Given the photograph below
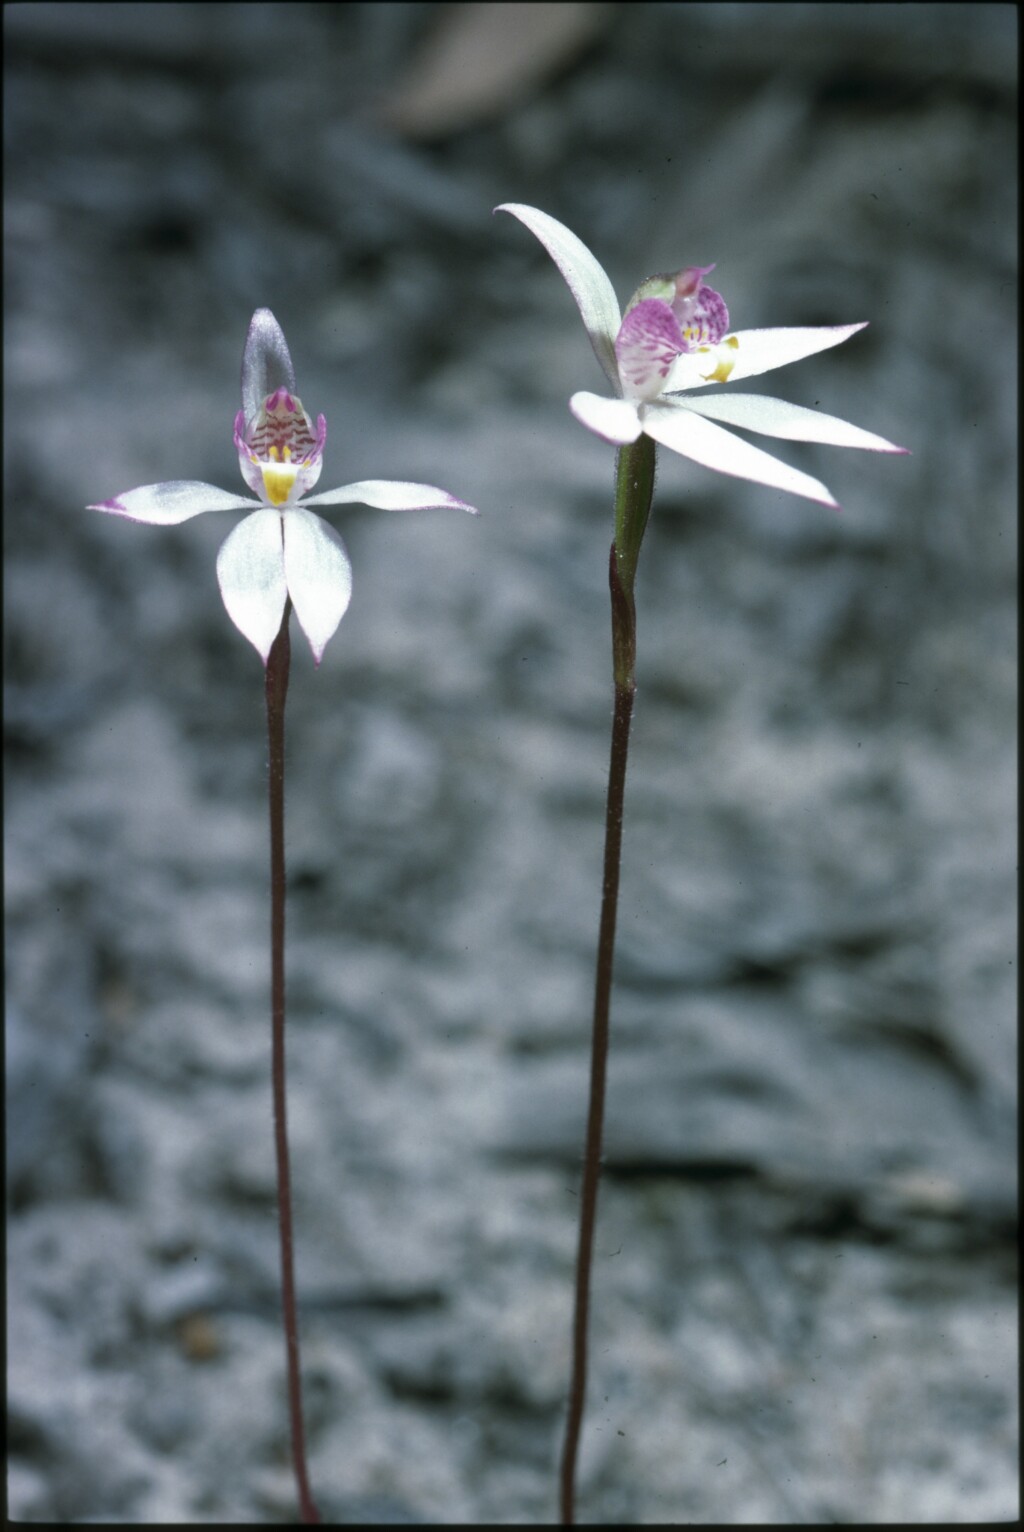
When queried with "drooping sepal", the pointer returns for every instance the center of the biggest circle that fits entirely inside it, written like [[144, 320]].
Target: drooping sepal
[[319, 576], [250, 572], [791, 422], [675, 426], [614, 420]]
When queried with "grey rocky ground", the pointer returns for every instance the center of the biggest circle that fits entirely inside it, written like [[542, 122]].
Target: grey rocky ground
[[804, 1303]]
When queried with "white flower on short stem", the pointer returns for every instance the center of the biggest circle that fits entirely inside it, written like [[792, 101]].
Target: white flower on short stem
[[675, 337], [282, 549]]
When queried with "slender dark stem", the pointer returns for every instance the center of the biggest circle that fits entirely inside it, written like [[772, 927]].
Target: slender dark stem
[[278, 664], [634, 489], [598, 1070]]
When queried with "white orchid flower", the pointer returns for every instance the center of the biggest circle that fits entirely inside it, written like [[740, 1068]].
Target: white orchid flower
[[282, 549], [675, 337]]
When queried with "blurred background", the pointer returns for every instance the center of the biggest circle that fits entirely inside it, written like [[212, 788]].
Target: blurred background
[[804, 1297]]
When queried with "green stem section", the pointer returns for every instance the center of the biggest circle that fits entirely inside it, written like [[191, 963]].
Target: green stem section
[[634, 489], [278, 664]]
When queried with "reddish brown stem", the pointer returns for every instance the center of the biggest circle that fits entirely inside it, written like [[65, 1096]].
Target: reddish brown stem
[[278, 664], [634, 489], [624, 641]]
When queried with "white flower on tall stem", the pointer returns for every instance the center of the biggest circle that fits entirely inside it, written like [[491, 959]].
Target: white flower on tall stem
[[282, 549], [675, 337]]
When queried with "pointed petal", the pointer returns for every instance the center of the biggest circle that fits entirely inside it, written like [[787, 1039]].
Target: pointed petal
[[775, 417], [266, 362], [675, 426], [617, 420], [587, 279], [250, 571], [319, 576], [165, 505], [754, 351], [391, 495]]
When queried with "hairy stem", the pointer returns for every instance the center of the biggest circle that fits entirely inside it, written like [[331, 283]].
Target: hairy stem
[[278, 664], [634, 489]]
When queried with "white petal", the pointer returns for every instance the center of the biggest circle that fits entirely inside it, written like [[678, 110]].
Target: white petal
[[319, 576], [266, 363], [164, 505], [250, 569], [758, 351], [675, 426], [391, 495], [617, 420], [588, 281], [775, 417]]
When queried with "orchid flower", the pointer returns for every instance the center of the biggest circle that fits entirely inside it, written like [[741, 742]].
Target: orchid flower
[[675, 337], [282, 549]]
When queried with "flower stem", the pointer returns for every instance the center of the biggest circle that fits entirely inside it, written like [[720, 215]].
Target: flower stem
[[278, 664], [633, 492]]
